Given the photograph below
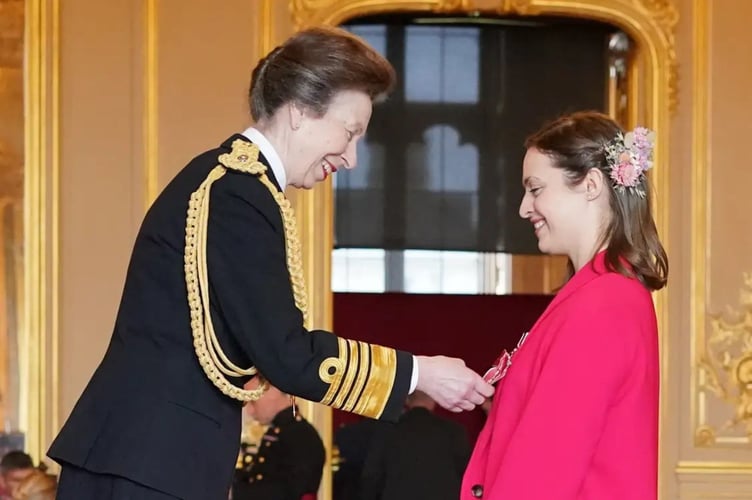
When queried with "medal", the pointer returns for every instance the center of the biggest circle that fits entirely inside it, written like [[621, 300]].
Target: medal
[[499, 369]]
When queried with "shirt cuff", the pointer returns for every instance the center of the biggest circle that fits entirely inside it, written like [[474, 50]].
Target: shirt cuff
[[414, 377]]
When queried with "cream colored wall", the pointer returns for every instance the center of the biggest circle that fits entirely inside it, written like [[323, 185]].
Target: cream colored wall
[[203, 55], [206, 51], [730, 103], [100, 182], [127, 120]]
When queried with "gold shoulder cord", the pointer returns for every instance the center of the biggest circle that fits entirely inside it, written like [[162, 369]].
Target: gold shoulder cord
[[216, 365]]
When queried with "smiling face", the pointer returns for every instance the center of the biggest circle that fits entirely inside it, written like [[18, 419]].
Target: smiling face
[[321, 145], [559, 212]]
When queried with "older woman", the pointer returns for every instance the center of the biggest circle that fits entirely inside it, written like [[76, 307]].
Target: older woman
[[215, 291]]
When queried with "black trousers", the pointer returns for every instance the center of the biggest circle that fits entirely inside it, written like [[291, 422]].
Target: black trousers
[[79, 484]]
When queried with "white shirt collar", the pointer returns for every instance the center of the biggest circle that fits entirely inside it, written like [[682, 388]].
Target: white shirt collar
[[266, 148]]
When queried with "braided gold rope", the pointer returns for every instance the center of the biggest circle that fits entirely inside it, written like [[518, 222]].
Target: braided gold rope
[[211, 357]]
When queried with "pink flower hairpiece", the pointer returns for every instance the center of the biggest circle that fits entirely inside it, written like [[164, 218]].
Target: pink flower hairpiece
[[629, 156]]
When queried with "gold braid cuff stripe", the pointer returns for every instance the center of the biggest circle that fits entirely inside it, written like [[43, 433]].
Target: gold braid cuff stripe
[[211, 357], [360, 378]]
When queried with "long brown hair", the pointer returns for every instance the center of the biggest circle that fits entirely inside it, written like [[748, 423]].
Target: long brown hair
[[576, 143], [312, 66]]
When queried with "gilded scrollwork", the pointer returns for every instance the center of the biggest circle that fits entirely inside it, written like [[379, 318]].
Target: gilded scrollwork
[[666, 15], [662, 12], [454, 6], [309, 12], [725, 374], [519, 7]]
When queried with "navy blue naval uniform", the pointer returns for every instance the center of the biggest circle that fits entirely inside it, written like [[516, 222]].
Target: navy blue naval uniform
[[150, 424]]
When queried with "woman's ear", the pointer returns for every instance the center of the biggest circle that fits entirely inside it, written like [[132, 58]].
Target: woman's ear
[[296, 114], [594, 183]]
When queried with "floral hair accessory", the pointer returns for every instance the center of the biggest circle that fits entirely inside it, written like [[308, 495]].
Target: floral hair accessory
[[629, 156]]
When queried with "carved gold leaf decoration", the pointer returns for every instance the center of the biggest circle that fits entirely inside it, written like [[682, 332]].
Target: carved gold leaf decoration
[[725, 369], [521, 7], [312, 12], [704, 436], [667, 16], [662, 13]]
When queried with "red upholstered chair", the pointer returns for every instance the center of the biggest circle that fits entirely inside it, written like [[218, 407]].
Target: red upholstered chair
[[308, 496]]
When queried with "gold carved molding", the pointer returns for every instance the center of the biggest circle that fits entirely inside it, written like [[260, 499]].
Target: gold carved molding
[[637, 17], [39, 347], [666, 16], [11, 281], [151, 104], [724, 367]]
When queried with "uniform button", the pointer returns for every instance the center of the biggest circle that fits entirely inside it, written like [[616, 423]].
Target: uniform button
[[261, 460], [259, 477], [248, 459], [477, 491], [276, 430], [268, 444]]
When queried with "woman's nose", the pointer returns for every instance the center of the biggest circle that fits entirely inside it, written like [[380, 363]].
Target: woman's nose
[[350, 157], [526, 207]]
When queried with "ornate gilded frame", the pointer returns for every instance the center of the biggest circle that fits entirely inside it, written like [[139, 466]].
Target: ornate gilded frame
[[653, 91], [38, 349], [721, 342]]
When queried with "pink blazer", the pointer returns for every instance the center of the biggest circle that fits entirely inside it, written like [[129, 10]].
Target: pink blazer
[[576, 417]]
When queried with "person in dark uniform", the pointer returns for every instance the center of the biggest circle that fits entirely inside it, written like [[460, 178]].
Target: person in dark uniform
[[289, 459], [423, 455], [352, 441], [215, 295]]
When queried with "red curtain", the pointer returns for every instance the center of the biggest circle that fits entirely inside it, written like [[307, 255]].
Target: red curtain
[[472, 327]]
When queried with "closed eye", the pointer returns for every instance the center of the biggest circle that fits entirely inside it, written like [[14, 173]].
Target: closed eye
[[535, 191], [350, 135]]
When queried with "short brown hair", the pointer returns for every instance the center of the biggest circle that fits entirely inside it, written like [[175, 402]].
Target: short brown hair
[[312, 66], [576, 143]]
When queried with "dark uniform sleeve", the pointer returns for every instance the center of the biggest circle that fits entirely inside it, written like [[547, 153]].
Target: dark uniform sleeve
[[252, 296]]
